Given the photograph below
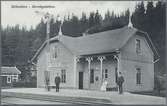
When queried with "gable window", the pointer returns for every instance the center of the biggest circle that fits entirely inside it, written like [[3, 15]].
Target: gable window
[[63, 76], [55, 52], [138, 76], [92, 76], [138, 46], [8, 79]]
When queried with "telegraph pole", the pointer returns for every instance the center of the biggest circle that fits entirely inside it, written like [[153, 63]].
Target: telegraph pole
[[47, 16]]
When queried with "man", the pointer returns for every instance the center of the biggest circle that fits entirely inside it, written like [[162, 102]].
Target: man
[[120, 83], [57, 82]]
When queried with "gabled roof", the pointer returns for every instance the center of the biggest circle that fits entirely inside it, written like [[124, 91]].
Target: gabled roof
[[10, 70], [103, 42]]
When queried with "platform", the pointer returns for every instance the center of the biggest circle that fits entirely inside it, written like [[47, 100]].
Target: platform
[[83, 96]]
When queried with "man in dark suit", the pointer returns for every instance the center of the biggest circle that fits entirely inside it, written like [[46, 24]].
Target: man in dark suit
[[57, 82], [120, 83]]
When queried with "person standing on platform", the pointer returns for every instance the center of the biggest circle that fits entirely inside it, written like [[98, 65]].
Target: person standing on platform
[[57, 82], [120, 83]]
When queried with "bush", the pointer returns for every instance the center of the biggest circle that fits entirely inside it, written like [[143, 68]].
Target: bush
[[160, 85]]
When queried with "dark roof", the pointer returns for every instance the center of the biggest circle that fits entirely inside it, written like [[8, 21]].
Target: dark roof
[[103, 42], [10, 70]]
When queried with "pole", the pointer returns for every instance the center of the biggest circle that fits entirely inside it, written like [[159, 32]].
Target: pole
[[48, 49], [47, 16], [47, 34]]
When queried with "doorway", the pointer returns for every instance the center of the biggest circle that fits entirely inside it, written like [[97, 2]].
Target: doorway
[[80, 80]]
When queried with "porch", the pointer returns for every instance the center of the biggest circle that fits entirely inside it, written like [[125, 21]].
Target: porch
[[93, 70]]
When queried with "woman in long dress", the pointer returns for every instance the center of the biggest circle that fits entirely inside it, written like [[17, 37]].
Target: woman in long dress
[[104, 85]]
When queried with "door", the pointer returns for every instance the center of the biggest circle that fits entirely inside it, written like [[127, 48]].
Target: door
[[4, 81], [80, 80]]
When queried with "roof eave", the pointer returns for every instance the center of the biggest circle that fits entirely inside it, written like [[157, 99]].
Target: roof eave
[[117, 51], [157, 54]]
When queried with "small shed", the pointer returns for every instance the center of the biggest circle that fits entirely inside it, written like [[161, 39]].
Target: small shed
[[9, 75]]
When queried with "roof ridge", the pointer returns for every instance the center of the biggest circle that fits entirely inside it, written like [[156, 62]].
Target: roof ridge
[[8, 67], [93, 34], [107, 40]]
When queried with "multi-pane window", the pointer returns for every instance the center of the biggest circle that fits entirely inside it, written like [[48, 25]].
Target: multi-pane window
[[55, 52], [138, 46], [92, 76], [138, 76], [63, 76], [102, 73], [106, 73], [8, 79]]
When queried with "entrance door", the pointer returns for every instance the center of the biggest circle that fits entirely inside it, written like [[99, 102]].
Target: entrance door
[[80, 80], [4, 80]]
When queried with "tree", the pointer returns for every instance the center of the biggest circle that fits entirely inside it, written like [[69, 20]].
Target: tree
[[138, 17], [97, 18], [153, 22], [150, 15], [83, 23], [91, 19]]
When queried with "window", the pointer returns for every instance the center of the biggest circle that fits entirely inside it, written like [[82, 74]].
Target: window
[[15, 78], [92, 76], [8, 79], [106, 73], [138, 46], [63, 76], [138, 76], [102, 74], [55, 52], [116, 74]]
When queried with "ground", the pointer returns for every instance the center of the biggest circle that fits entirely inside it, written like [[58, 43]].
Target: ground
[[13, 101], [81, 96]]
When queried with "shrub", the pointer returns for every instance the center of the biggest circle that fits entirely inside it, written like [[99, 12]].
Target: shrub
[[31, 84]]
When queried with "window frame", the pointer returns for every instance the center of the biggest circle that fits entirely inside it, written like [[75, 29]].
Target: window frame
[[9, 81], [106, 73], [63, 75], [55, 50], [15, 78], [138, 76], [92, 76], [138, 46]]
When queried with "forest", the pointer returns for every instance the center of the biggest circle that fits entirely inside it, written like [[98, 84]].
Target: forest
[[19, 44]]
